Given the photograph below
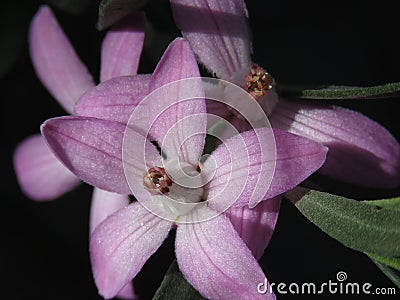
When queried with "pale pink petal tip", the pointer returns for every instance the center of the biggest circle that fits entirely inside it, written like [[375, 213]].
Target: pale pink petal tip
[[40, 174], [250, 167], [361, 151], [122, 47], [178, 62], [91, 148], [296, 159], [221, 40], [55, 61], [176, 107], [215, 260], [120, 246]]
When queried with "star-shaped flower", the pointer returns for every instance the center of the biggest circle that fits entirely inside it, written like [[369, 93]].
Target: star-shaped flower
[[172, 187]]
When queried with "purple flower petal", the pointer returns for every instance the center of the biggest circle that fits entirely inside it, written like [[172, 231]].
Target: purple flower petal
[[221, 39], [122, 47], [256, 225], [40, 174], [90, 148], [245, 159], [178, 62], [93, 148], [127, 292], [176, 112], [361, 151], [234, 169], [55, 61], [104, 204], [114, 99], [296, 159], [215, 260], [121, 245]]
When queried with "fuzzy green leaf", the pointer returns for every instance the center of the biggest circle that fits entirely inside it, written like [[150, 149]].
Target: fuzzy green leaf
[[389, 272], [393, 203], [356, 224], [393, 262], [344, 92], [174, 286], [111, 11]]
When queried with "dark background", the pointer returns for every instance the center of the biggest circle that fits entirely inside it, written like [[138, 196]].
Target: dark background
[[44, 246]]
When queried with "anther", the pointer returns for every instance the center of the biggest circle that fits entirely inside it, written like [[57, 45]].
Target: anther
[[156, 181], [258, 82]]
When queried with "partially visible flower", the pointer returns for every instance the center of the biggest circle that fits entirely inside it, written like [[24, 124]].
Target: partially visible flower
[[40, 174], [209, 251], [361, 151]]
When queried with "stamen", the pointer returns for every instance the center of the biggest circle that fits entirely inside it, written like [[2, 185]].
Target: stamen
[[258, 82], [156, 181]]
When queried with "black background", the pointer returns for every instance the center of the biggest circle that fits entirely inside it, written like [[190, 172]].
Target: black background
[[44, 246]]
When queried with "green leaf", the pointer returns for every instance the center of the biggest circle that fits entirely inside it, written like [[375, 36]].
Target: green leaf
[[393, 203], [389, 272], [344, 92], [357, 224], [111, 11], [174, 286], [71, 6], [393, 262]]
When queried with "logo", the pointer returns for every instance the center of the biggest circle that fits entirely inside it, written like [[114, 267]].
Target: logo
[[341, 287]]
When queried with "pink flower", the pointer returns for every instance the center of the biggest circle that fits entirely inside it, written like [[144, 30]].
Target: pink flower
[[361, 151], [40, 174], [119, 158]]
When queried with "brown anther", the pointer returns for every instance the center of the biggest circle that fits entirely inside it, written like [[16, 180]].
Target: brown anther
[[199, 167], [156, 181], [258, 82]]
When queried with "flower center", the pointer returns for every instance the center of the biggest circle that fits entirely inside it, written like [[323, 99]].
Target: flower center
[[258, 82], [176, 189], [156, 181]]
